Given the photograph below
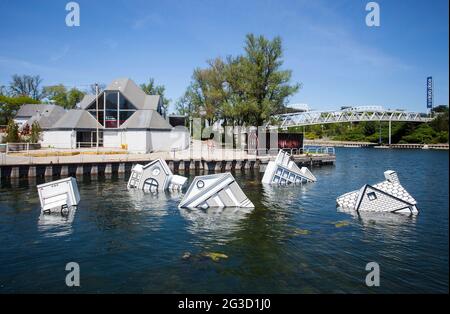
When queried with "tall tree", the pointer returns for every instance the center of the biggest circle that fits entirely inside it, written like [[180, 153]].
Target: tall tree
[[267, 85], [151, 88], [247, 89], [59, 95], [26, 85]]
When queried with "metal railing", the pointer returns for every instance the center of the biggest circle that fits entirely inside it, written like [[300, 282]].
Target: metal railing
[[345, 116]]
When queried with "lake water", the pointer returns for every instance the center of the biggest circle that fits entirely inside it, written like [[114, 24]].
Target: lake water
[[294, 241]]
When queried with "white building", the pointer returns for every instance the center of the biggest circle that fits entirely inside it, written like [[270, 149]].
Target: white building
[[44, 114], [124, 115]]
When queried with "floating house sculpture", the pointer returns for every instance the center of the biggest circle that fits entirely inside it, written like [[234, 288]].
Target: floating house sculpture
[[58, 195], [155, 176], [215, 190], [386, 196], [284, 171]]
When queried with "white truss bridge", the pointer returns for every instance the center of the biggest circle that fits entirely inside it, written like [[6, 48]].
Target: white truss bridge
[[354, 114]]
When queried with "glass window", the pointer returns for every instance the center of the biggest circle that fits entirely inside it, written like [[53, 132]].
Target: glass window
[[124, 115], [93, 105], [100, 115], [111, 100], [111, 118], [125, 104]]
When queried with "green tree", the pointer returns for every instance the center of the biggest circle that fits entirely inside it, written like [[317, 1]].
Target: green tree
[[59, 95], [267, 86], [12, 133], [36, 131], [151, 88], [10, 105], [247, 89]]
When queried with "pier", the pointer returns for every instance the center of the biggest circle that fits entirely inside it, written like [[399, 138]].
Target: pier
[[88, 164]]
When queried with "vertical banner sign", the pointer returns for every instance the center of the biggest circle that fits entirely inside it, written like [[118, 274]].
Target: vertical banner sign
[[429, 92]]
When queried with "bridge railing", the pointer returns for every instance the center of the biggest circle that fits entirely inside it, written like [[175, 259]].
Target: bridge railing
[[324, 117]]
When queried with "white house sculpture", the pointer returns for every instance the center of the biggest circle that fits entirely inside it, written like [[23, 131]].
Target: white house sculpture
[[284, 171], [155, 176], [215, 190], [386, 196], [58, 195]]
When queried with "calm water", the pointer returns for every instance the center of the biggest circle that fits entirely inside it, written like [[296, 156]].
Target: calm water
[[294, 241]]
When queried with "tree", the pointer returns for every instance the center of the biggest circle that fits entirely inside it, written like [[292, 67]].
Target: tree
[[247, 89], [74, 96], [151, 88], [26, 85], [92, 90], [267, 85], [59, 94], [12, 132], [10, 105], [36, 131]]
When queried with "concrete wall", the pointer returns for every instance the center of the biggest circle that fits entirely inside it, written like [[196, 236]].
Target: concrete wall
[[59, 139]]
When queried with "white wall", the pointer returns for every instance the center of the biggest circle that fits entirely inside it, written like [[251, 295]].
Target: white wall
[[136, 141], [59, 139], [112, 138], [175, 139]]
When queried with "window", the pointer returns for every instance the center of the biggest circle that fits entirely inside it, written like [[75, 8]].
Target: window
[[113, 109], [100, 103], [124, 115], [372, 196], [124, 104], [200, 184]]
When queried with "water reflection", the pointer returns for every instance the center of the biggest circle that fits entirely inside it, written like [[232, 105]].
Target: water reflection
[[215, 223], [390, 224], [157, 202], [56, 224], [284, 195]]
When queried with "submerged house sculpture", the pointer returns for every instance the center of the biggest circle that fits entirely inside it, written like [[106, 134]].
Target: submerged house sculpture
[[58, 195], [284, 171], [386, 196], [215, 190], [155, 176]]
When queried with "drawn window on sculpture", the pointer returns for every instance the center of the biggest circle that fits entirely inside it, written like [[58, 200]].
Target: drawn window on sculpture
[[156, 171], [200, 184], [372, 196]]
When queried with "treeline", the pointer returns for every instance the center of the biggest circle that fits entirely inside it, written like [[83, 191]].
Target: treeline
[[433, 132], [28, 89], [244, 89]]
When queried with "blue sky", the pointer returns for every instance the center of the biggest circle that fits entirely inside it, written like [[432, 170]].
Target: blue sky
[[327, 45]]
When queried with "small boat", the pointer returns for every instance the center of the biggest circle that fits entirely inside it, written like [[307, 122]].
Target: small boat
[[285, 171], [215, 190], [386, 196], [58, 195], [155, 176]]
